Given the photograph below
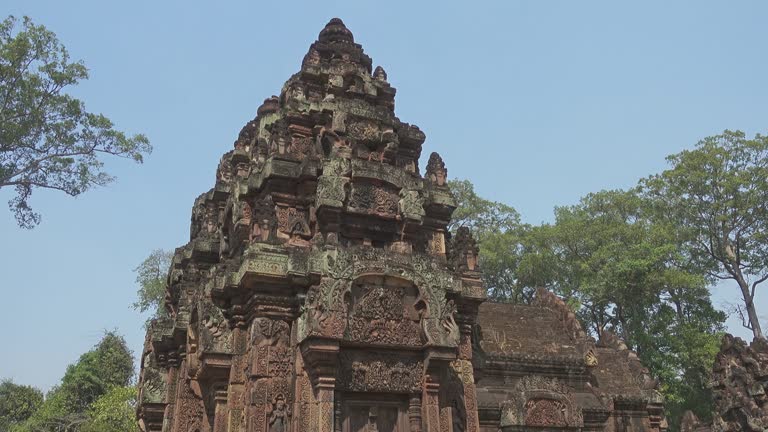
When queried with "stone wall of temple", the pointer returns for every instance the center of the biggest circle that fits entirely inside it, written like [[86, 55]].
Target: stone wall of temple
[[321, 291], [739, 380]]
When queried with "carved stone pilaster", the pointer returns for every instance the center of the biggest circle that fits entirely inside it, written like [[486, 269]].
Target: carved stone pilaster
[[414, 412], [269, 368], [325, 403], [189, 408], [320, 358], [337, 423], [430, 404], [220, 410], [237, 380], [436, 362]]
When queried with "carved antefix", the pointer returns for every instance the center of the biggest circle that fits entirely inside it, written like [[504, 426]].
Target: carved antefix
[[436, 171]]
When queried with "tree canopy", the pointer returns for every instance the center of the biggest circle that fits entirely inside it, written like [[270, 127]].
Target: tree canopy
[[716, 196], [75, 401], [623, 267], [113, 411], [150, 277], [47, 138], [17, 403]]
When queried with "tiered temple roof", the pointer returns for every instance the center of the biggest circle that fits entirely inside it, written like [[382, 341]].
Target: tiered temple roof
[[321, 290]]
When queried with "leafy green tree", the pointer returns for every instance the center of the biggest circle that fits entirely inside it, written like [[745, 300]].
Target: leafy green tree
[[716, 194], [481, 216], [150, 276], [17, 403], [499, 232], [53, 416], [622, 269], [47, 138], [107, 366], [630, 273], [114, 411]]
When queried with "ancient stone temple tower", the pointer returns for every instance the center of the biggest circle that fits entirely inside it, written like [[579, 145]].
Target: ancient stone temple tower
[[321, 291]]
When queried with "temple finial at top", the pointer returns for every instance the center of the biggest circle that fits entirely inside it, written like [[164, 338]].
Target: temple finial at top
[[336, 31]]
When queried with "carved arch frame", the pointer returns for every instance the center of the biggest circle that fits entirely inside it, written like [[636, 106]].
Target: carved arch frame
[[326, 309], [537, 388]]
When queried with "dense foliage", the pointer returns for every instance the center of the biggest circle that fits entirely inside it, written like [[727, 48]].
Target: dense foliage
[[17, 403], [113, 411], [94, 394], [716, 194], [47, 138], [639, 263], [150, 277]]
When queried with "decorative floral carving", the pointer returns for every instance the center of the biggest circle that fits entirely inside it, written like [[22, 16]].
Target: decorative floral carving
[[215, 333], [325, 303], [363, 130], [267, 331], [374, 199], [543, 401], [331, 190], [380, 317], [436, 243], [379, 372], [545, 413], [411, 204], [264, 221]]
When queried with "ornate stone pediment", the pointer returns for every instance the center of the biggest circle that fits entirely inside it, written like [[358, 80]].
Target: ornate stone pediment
[[541, 402], [406, 293]]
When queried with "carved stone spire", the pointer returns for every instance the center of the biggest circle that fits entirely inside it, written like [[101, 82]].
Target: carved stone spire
[[380, 74], [436, 171], [270, 105], [336, 31], [336, 53], [464, 250]]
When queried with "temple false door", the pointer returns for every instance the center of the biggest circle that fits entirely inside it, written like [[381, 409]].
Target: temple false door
[[374, 416]]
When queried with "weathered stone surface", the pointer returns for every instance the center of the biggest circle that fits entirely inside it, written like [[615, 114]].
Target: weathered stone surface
[[321, 291], [739, 381]]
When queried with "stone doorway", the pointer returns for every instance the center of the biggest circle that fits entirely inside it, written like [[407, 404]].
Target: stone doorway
[[374, 414]]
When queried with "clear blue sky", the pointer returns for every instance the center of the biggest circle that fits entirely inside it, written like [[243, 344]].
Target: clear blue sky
[[538, 102]]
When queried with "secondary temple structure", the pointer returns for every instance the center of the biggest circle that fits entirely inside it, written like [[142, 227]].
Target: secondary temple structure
[[321, 290]]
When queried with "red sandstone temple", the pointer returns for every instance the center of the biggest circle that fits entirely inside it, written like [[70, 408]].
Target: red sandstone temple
[[321, 290]]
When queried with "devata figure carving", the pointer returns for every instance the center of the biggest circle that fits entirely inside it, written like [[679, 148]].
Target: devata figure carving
[[321, 291]]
